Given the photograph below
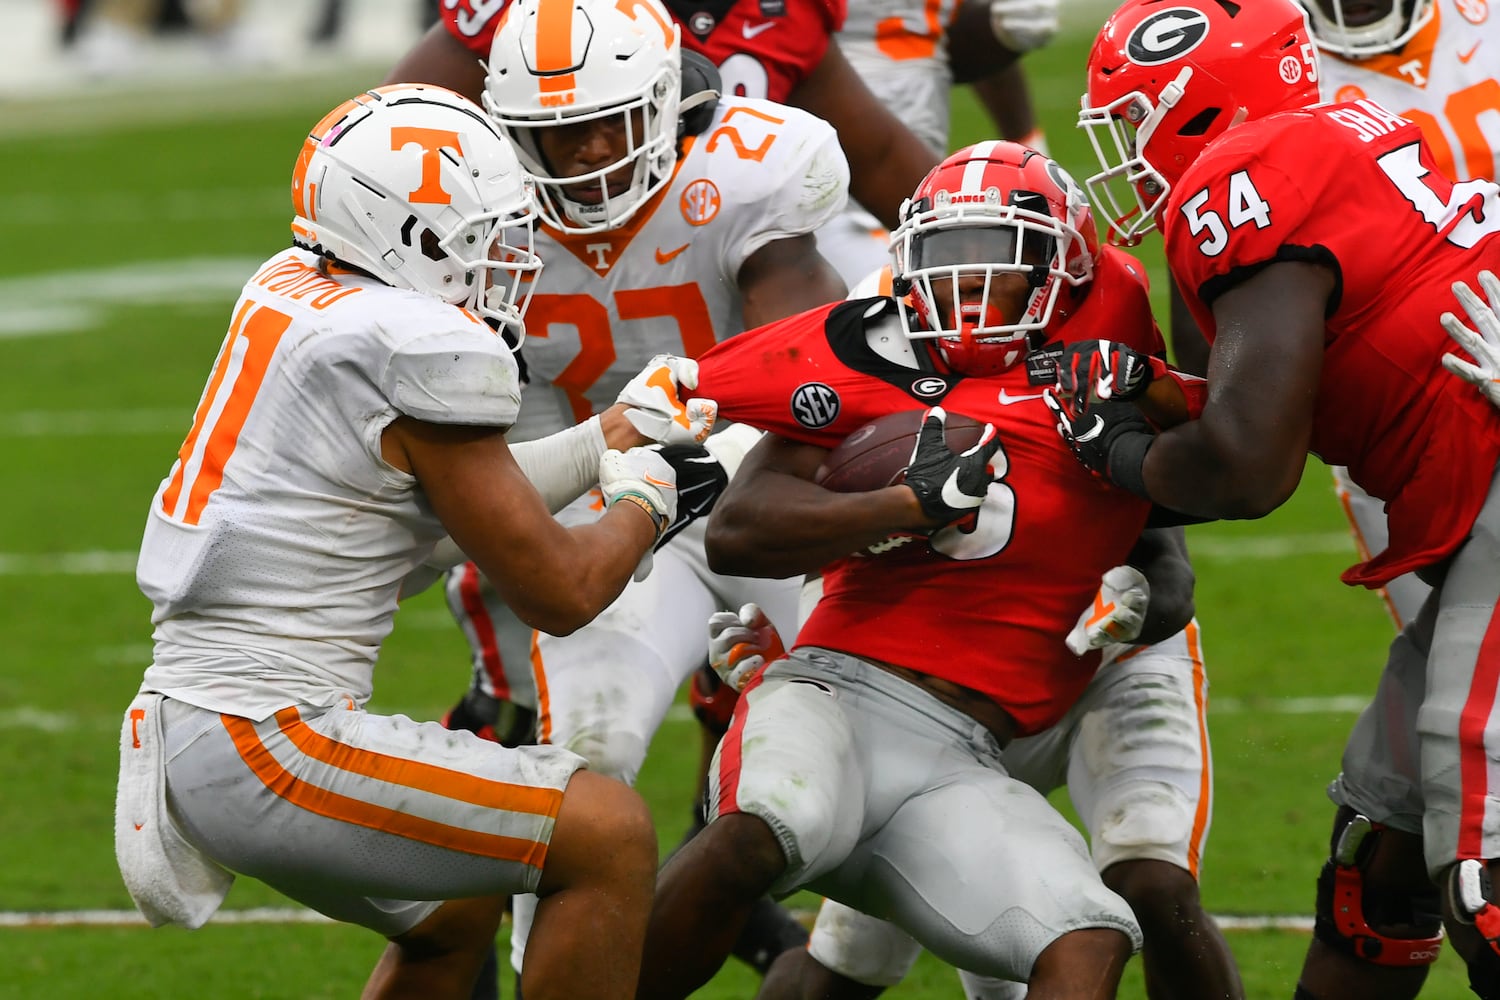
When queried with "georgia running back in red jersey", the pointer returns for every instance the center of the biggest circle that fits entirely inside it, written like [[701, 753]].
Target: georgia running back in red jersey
[[1373, 206], [986, 604], [763, 48]]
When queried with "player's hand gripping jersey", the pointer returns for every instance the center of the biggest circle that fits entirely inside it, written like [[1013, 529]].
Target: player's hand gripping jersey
[[1443, 79], [283, 456], [947, 606], [763, 49], [1373, 205], [665, 281]]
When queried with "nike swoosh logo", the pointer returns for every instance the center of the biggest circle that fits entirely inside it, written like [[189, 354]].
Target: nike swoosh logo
[[954, 497], [751, 30], [696, 505], [1006, 399], [667, 256], [648, 477], [1464, 57], [1093, 431]]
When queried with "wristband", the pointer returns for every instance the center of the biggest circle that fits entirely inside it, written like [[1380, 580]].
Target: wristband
[[1127, 462], [658, 519]]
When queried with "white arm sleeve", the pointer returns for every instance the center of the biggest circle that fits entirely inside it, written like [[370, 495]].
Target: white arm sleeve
[[564, 465], [561, 466]]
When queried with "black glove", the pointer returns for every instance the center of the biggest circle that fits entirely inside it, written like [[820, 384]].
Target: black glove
[[1110, 439], [948, 484], [700, 483], [1092, 371]]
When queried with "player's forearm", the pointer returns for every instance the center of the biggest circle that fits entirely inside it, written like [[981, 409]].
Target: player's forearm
[[787, 526], [575, 573], [1161, 554], [1202, 469], [563, 466]]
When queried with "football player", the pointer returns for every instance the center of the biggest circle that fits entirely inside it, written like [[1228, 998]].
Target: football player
[[910, 53], [1326, 340], [1426, 61], [673, 218], [866, 766], [764, 49], [355, 416]]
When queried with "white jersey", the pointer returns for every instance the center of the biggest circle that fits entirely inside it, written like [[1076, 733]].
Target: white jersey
[[668, 280], [1443, 79], [900, 49], [275, 548]]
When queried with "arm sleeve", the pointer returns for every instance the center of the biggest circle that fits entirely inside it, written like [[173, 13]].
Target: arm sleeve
[[565, 465], [562, 467]]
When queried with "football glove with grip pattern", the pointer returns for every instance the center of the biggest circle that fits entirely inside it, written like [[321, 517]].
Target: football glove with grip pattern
[[701, 479], [643, 477], [1483, 346], [1093, 371], [740, 643], [949, 484], [657, 409], [1117, 614], [1110, 439]]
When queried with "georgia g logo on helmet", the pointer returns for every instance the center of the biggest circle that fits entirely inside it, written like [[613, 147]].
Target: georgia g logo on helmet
[[1166, 35]]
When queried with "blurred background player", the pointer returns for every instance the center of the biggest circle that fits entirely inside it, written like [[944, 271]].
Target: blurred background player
[[866, 766], [910, 53], [355, 417], [1322, 343]]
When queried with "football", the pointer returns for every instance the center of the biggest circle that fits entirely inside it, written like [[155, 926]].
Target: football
[[876, 455]]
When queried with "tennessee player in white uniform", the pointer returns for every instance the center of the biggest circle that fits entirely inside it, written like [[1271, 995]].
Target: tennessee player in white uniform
[[666, 237], [1433, 63], [355, 416]]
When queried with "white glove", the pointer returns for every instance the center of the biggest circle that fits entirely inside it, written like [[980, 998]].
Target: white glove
[[657, 410], [1484, 346], [642, 477], [1023, 25], [1118, 613], [740, 644]]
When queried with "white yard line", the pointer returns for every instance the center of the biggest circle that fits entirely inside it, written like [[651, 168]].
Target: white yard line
[[278, 915]]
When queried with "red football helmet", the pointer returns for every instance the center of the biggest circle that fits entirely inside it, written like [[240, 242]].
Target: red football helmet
[[991, 209], [1168, 77]]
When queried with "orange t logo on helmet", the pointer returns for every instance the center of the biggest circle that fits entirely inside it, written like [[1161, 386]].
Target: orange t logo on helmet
[[431, 140]]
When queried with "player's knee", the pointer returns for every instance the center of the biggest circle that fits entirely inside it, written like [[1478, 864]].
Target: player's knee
[[750, 855], [458, 926], [603, 832], [1375, 901], [1142, 819], [1159, 892]]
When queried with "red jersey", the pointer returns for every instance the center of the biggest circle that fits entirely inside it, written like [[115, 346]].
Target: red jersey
[[763, 48], [1355, 187], [988, 608]]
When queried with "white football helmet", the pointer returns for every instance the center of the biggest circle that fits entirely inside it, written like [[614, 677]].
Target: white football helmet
[[1382, 33], [415, 185], [556, 63]]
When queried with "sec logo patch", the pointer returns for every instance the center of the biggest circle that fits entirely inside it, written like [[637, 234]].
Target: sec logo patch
[[700, 202], [815, 405]]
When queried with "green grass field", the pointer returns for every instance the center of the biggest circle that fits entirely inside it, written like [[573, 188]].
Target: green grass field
[[126, 227]]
